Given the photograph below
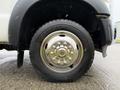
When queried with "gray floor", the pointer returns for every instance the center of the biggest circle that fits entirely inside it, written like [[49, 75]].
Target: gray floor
[[103, 75]]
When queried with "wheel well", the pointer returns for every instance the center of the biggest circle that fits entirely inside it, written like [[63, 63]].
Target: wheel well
[[41, 13]]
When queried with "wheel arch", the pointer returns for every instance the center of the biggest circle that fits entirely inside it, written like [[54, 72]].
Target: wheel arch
[[16, 19], [22, 7]]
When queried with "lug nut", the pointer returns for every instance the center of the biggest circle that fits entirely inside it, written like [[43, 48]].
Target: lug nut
[[72, 53], [62, 46], [65, 43], [57, 47], [54, 58], [58, 62], [59, 43], [53, 46], [70, 46], [70, 58], [65, 62], [51, 52]]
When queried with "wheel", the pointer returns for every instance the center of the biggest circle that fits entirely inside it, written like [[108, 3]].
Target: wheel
[[61, 51]]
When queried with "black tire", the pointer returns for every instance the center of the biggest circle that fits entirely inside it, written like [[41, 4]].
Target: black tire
[[76, 29]]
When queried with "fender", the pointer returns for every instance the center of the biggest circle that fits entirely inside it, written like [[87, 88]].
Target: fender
[[22, 6], [16, 19], [99, 6]]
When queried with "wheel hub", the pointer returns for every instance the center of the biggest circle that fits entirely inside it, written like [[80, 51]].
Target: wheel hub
[[61, 50], [62, 54]]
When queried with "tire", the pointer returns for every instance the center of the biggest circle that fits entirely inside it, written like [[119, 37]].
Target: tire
[[66, 74]]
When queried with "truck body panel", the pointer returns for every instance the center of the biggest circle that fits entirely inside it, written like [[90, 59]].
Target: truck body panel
[[6, 7]]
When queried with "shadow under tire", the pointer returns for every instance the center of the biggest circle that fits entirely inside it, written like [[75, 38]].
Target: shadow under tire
[[54, 59]]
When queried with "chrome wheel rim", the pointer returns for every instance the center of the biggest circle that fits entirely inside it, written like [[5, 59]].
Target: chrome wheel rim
[[61, 51]]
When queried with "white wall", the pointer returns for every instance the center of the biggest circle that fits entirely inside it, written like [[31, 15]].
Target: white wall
[[115, 10]]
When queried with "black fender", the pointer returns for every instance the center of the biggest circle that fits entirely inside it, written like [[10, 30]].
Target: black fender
[[16, 19], [22, 6], [99, 6]]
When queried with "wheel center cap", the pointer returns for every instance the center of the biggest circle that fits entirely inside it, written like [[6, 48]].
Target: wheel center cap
[[62, 52]]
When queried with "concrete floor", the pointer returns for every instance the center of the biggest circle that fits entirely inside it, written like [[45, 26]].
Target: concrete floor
[[103, 75]]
